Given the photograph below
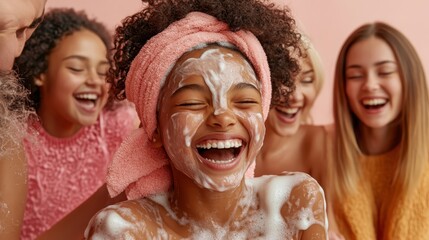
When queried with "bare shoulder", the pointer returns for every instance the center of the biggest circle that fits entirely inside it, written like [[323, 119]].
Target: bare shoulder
[[314, 132], [290, 187], [306, 208], [298, 198], [129, 219]]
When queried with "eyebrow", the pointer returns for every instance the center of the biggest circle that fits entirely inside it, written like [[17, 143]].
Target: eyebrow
[[195, 87], [244, 85], [82, 58], [308, 71], [200, 88], [376, 64]]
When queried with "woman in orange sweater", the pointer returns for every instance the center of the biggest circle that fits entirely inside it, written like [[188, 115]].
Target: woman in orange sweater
[[381, 117]]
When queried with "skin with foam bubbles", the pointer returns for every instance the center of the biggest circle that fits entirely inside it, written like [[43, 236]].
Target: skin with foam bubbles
[[262, 203], [269, 207]]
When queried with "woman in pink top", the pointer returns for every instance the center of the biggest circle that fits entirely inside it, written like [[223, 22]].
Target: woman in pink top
[[69, 145]]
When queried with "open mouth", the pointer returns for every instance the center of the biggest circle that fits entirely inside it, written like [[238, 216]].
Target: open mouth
[[87, 100], [288, 112], [220, 151], [374, 103]]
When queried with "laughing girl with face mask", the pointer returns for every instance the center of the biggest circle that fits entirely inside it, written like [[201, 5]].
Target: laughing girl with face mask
[[203, 91]]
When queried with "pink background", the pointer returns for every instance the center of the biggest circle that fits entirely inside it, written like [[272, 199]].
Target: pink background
[[326, 22]]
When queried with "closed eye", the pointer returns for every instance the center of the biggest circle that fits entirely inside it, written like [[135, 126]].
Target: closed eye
[[75, 69], [248, 101], [353, 77], [102, 74], [307, 80], [189, 104], [193, 105], [385, 73]]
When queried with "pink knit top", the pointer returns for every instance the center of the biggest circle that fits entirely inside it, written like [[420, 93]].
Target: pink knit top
[[64, 172]]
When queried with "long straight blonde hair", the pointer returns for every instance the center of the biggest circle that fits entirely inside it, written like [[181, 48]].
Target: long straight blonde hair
[[414, 119]]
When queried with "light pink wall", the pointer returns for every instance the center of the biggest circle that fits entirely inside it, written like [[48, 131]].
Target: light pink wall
[[326, 22], [110, 12]]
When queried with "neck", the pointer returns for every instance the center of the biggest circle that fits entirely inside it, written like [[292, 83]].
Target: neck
[[379, 140], [274, 141], [207, 207], [56, 127]]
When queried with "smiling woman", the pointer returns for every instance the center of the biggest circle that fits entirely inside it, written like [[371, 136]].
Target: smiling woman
[[74, 135], [203, 92], [380, 178], [217, 75]]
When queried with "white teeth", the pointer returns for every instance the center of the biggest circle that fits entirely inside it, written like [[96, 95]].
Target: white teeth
[[374, 101], [220, 161], [87, 96], [289, 110], [221, 144]]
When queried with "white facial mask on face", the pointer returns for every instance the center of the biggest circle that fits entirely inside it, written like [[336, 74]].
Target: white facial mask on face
[[220, 73]]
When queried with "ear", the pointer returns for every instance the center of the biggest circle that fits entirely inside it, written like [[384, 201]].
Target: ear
[[40, 80], [157, 139]]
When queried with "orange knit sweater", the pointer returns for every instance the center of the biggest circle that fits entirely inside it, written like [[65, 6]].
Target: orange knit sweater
[[357, 215]]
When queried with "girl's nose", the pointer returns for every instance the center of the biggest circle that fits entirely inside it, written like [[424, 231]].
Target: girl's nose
[[222, 120], [95, 79], [371, 82]]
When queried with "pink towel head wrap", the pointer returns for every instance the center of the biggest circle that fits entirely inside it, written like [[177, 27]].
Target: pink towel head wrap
[[139, 168]]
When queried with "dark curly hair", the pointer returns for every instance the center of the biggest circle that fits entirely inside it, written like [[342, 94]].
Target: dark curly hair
[[274, 28], [57, 24]]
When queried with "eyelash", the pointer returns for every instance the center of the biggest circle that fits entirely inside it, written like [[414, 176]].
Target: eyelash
[[247, 102], [189, 104], [307, 80], [385, 73], [75, 69], [382, 74]]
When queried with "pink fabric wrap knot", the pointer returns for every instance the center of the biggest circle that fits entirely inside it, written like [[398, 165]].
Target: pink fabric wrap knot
[[137, 167]]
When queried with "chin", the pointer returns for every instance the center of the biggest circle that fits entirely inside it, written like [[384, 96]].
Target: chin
[[88, 121], [220, 182]]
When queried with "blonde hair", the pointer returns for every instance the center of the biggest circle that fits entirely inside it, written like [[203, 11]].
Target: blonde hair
[[13, 114], [414, 118], [313, 56]]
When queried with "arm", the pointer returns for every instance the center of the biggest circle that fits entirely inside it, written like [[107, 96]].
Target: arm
[[73, 225], [130, 219], [318, 230], [306, 208], [13, 191]]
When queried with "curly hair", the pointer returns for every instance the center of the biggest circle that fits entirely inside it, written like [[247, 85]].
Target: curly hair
[[274, 28], [57, 24]]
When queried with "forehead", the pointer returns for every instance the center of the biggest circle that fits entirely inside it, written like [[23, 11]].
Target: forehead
[[19, 13], [83, 41], [213, 62], [203, 53], [369, 51], [305, 63]]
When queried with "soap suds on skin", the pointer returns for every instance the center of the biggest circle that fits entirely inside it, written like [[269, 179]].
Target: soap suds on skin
[[264, 198]]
